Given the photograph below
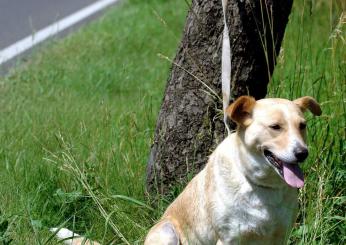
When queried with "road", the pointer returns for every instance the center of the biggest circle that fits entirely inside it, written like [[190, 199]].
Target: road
[[27, 23], [20, 18]]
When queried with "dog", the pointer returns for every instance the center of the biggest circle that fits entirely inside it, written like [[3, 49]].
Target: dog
[[247, 192]]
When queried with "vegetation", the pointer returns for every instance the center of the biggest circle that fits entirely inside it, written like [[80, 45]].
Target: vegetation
[[76, 124]]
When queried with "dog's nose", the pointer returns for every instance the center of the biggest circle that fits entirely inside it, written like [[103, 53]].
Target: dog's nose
[[301, 153]]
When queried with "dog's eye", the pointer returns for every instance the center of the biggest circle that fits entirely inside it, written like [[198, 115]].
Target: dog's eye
[[275, 126], [302, 126]]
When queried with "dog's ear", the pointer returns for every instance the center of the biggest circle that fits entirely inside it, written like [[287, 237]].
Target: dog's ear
[[310, 103], [240, 110]]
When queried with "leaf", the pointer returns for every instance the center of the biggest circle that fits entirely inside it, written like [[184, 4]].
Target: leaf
[[337, 217], [68, 196], [36, 223], [3, 227], [130, 199], [7, 242]]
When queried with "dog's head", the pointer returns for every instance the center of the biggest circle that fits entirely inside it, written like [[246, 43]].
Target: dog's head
[[274, 130]]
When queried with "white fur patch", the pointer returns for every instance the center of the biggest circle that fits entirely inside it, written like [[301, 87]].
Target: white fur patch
[[64, 233]]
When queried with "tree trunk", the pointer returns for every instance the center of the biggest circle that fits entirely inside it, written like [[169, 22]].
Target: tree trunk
[[190, 122]]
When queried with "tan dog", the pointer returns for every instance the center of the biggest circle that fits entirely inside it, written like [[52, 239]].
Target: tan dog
[[246, 194]]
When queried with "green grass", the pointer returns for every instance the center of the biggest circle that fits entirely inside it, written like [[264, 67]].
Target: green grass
[[312, 62], [76, 124]]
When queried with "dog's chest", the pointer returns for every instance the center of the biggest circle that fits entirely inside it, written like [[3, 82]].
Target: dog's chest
[[257, 215]]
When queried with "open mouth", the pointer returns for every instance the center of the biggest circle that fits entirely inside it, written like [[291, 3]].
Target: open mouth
[[290, 172], [276, 162]]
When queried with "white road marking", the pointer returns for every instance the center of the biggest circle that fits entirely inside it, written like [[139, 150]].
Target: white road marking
[[51, 30]]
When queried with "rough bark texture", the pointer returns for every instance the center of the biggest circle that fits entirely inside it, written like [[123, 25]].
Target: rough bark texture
[[190, 124]]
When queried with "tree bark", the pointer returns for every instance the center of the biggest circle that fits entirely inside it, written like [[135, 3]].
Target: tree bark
[[190, 122]]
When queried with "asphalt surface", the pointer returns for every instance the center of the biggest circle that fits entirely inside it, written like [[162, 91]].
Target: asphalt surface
[[20, 18]]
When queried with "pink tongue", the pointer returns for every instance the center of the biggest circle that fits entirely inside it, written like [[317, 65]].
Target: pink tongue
[[293, 175]]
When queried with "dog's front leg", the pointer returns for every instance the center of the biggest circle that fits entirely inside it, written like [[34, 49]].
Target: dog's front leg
[[219, 242], [163, 233]]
